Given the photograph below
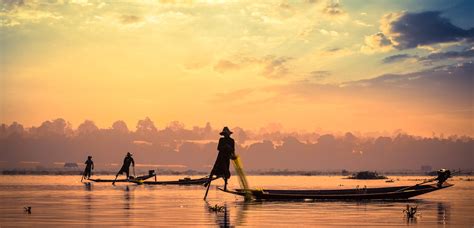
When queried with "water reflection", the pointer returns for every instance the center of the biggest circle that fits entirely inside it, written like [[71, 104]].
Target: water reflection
[[68, 202], [443, 210], [88, 202], [230, 214], [88, 186], [242, 207], [128, 205]]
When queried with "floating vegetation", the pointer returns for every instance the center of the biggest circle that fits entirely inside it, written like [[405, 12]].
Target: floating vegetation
[[410, 211], [216, 208]]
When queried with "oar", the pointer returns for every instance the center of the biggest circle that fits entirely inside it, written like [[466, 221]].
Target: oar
[[113, 183], [134, 171], [82, 178], [208, 186]]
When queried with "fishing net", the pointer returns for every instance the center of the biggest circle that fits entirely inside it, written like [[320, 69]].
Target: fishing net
[[239, 170]]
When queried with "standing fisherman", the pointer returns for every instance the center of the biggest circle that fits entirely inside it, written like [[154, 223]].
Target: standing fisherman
[[126, 166], [226, 148], [89, 167]]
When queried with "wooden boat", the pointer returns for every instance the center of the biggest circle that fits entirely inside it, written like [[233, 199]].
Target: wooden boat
[[385, 193], [151, 174], [184, 181]]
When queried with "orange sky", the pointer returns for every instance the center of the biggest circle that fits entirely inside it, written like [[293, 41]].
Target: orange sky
[[240, 63]]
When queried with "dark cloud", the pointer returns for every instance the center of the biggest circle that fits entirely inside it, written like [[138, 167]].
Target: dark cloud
[[397, 58], [459, 74], [465, 54], [413, 29], [445, 89], [130, 19], [439, 56]]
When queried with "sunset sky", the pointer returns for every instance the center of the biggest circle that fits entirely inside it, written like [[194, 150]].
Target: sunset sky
[[305, 65]]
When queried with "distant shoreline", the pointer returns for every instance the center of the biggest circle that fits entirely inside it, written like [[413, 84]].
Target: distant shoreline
[[197, 173]]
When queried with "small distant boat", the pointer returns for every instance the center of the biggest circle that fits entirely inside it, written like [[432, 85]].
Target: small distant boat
[[386, 193], [184, 181], [151, 174]]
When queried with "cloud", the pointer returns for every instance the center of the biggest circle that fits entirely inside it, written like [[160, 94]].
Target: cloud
[[377, 43], [130, 19], [225, 65], [333, 8], [445, 90], [361, 23], [330, 33], [410, 30], [440, 82], [275, 67], [271, 66], [11, 4], [397, 58], [319, 74], [433, 57], [465, 54], [17, 12]]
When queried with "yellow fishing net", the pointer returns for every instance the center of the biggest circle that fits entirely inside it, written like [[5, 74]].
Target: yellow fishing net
[[239, 169]]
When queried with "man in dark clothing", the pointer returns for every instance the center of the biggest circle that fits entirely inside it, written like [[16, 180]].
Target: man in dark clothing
[[226, 148], [89, 167], [126, 166]]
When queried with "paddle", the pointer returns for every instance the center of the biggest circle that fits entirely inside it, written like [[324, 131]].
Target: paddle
[[83, 174], [208, 186], [113, 183]]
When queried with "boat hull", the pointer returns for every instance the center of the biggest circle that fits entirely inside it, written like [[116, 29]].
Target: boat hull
[[139, 178], [391, 193], [199, 181]]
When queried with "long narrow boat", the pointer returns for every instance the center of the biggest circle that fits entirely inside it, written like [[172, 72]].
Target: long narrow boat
[[385, 193], [184, 181], [139, 178]]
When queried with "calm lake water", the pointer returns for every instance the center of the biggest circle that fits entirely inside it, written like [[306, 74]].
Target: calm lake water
[[64, 200]]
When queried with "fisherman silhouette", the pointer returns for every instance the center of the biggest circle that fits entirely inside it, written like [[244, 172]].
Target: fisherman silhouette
[[89, 167], [226, 148], [126, 166]]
